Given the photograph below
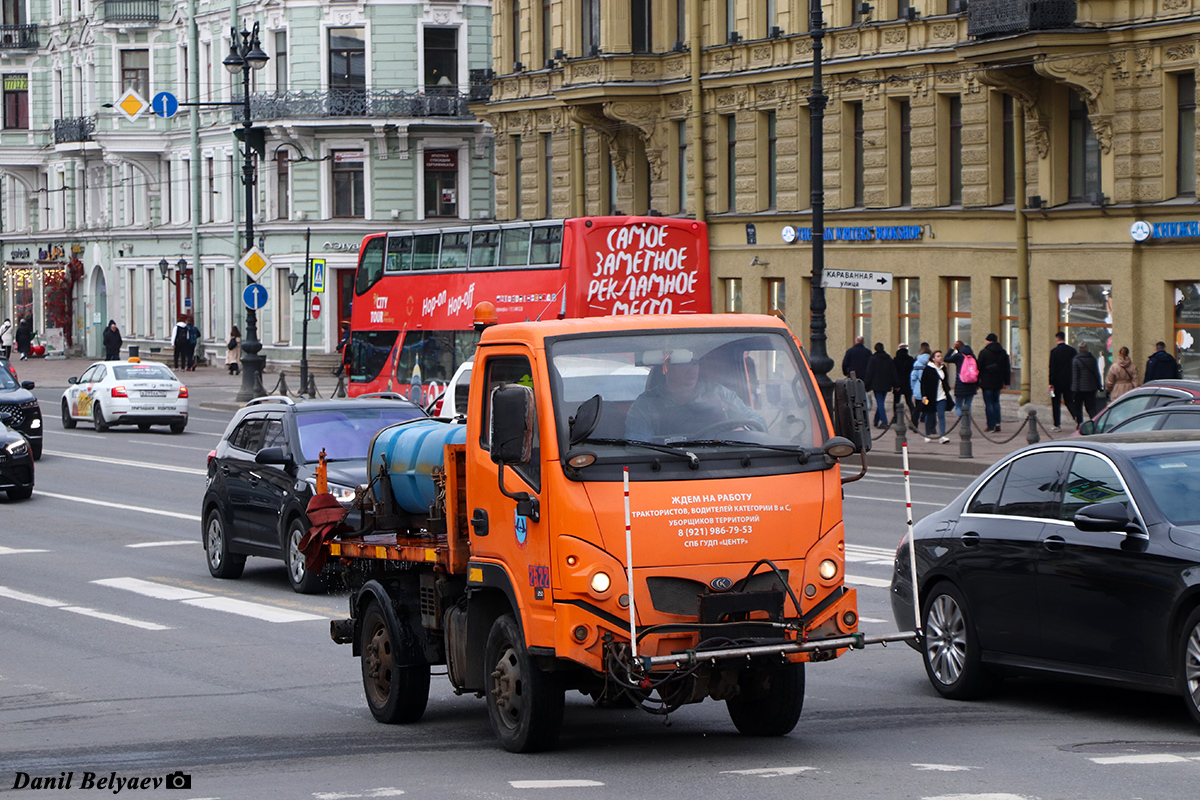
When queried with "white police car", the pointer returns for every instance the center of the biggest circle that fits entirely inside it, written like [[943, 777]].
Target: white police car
[[126, 393]]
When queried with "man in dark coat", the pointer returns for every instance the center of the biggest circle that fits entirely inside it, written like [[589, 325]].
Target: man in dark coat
[[1085, 381], [881, 379], [24, 337], [857, 359], [995, 372], [112, 342], [904, 364], [1060, 380], [1160, 366], [964, 391]]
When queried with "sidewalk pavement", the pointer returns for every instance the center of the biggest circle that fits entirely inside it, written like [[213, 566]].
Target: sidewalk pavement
[[219, 390]]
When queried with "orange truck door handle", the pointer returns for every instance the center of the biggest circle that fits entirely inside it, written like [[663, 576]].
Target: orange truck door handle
[[479, 522]]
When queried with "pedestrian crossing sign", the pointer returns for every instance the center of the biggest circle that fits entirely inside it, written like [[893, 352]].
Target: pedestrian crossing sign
[[317, 281]]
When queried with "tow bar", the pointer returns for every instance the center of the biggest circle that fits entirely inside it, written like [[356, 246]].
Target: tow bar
[[855, 641]]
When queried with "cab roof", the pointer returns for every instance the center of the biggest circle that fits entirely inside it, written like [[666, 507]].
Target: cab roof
[[538, 332]]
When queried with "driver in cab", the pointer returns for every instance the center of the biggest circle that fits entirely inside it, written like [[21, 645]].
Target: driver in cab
[[678, 405]]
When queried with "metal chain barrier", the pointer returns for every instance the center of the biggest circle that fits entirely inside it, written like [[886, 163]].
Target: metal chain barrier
[[1016, 433]]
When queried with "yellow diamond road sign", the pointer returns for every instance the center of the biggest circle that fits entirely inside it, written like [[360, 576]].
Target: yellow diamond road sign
[[255, 263], [132, 105]]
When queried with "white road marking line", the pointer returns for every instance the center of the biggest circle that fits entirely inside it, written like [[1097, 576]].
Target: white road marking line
[[865, 549], [899, 500], [872, 620], [385, 791], [121, 506], [942, 768], [248, 609], [160, 591], [767, 772], [878, 583], [560, 784], [124, 463], [12, 551], [982, 796], [136, 623], [1140, 758], [164, 544], [13, 594], [139, 440]]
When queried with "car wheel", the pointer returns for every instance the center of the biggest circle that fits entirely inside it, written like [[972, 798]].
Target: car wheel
[[20, 493], [951, 648], [67, 420], [221, 562], [143, 426], [525, 704], [98, 420], [394, 694], [769, 701], [303, 581], [1190, 664], [177, 427]]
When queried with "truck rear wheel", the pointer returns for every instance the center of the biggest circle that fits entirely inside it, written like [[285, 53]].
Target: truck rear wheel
[[525, 704], [769, 701], [395, 694]]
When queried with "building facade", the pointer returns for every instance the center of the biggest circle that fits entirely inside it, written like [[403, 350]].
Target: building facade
[[979, 153], [363, 113]]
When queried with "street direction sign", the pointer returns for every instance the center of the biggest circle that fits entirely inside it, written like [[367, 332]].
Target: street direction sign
[[317, 276], [132, 105], [255, 296], [856, 279], [165, 105], [316, 306], [255, 263]]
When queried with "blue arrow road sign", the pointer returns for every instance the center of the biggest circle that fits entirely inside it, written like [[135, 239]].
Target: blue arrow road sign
[[164, 104], [255, 296]]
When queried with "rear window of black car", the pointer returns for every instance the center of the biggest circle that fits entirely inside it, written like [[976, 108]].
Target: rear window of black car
[[1174, 483], [346, 433]]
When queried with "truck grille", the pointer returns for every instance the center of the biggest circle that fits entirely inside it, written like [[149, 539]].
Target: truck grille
[[682, 595]]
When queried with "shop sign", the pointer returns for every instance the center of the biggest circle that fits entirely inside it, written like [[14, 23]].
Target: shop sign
[[441, 160], [877, 233], [345, 247], [1140, 231], [53, 252], [18, 254]]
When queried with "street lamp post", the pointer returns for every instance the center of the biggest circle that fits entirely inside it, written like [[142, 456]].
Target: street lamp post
[[818, 357], [246, 55]]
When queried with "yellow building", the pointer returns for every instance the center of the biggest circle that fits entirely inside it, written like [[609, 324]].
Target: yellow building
[[961, 144]]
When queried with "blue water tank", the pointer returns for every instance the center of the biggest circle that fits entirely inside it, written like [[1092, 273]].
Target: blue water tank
[[412, 450]]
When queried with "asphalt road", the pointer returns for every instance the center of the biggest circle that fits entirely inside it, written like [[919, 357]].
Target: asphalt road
[[119, 654]]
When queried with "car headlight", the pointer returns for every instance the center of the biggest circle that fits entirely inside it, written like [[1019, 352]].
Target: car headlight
[[18, 448], [343, 494]]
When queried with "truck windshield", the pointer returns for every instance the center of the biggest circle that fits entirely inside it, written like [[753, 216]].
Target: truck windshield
[[712, 388]]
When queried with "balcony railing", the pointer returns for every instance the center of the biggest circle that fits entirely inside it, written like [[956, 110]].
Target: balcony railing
[[1006, 17], [18, 37], [359, 103], [481, 85], [74, 129], [130, 10]]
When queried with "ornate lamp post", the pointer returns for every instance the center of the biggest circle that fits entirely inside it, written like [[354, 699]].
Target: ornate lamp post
[[246, 55], [818, 358]]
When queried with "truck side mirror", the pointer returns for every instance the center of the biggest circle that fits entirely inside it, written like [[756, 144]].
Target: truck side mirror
[[849, 413], [512, 416], [586, 418]]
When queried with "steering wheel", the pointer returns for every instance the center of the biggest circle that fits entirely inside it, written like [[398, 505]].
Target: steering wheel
[[731, 425]]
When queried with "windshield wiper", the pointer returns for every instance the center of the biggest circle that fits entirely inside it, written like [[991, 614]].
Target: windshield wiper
[[795, 449], [692, 459]]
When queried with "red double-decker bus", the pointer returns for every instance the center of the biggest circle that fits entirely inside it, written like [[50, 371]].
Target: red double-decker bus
[[415, 291]]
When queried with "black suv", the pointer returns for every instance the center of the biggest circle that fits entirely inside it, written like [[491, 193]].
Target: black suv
[[17, 399], [263, 473]]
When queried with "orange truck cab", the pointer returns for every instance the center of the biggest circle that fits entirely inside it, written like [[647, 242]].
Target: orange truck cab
[[646, 509]]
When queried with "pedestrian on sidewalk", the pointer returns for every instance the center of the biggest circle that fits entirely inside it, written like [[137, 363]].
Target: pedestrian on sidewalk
[[914, 381], [233, 351], [112, 342], [904, 364], [24, 337], [1122, 375], [966, 376], [6, 337], [995, 372], [1060, 380], [1161, 366], [193, 338], [179, 343], [936, 396], [1085, 381], [881, 379]]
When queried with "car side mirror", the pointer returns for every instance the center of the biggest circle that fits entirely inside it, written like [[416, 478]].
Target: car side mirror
[[28, 385], [72, 380], [1103, 517], [273, 456], [512, 415], [1087, 428]]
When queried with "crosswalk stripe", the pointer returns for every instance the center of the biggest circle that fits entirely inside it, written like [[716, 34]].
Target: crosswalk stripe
[[860, 580], [48, 602], [159, 591], [12, 551], [191, 597], [569, 783], [171, 543]]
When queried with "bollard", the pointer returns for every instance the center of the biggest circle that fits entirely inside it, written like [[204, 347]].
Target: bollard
[[1033, 437], [340, 391], [283, 387], [901, 429], [964, 435], [311, 389]]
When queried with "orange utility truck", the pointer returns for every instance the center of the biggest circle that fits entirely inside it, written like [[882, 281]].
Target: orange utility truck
[[645, 509]]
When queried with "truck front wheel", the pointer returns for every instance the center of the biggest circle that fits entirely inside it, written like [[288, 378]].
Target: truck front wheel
[[525, 704], [769, 700], [395, 694]]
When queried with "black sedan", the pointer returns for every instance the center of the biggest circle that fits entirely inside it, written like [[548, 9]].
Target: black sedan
[[1071, 559], [16, 462], [18, 400]]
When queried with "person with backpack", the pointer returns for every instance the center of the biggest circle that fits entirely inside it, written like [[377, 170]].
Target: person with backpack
[[1160, 366], [881, 378], [995, 372], [193, 338], [966, 376], [179, 344]]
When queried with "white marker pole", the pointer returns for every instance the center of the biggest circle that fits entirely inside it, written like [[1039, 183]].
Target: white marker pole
[[629, 568], [912, 549]]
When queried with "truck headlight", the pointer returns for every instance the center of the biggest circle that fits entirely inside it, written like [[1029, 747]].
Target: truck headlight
[[601, 582], [827, 569]]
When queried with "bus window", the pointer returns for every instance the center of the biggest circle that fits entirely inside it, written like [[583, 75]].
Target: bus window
[[425, 251], [369, 351], [399, 254], [455, 250], [370, 265], [485, 246], [547, 245], [514, 247]]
